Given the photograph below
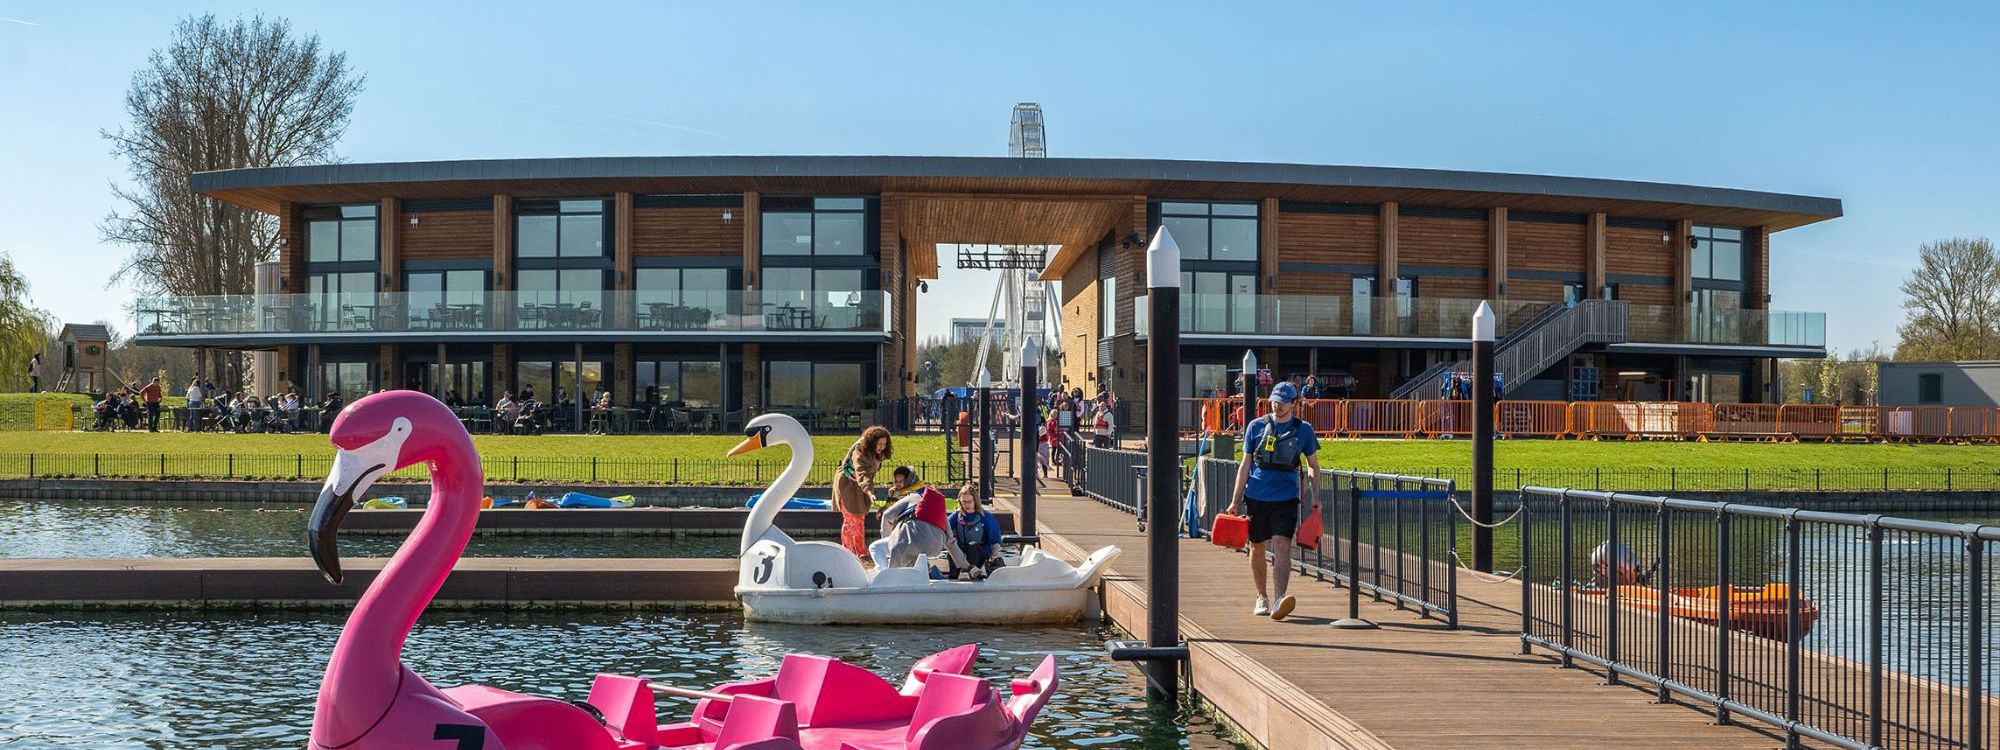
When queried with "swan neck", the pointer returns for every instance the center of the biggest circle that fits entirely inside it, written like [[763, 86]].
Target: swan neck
[[765, 514]]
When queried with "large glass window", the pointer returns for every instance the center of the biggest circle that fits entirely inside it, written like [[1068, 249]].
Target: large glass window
[[467, 380], [561, 298], [1219, 302], [340, 233], [351, 380], [825, 390], [446, 300], [692, 384], [560, 229], [1930, 388], [815, 298], [1406, 304], [1363, 289], [681, 298], [1717, 253], [790, 384], [541, 378], [825, 226], [342, 301], [1212, 231]]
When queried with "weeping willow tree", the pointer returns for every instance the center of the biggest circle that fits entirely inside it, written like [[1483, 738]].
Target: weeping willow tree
[[25, 330]]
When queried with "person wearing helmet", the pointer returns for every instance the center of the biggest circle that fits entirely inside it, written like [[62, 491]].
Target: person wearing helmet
[[1274, 448]]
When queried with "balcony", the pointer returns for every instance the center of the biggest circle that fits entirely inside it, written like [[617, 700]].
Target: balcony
[[512, 316], [1330, 316]]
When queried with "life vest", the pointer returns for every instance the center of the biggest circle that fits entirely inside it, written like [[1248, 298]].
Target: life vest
[[971, 534], [1278, 450]]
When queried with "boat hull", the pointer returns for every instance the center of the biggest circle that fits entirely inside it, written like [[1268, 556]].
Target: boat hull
[[941, 603]]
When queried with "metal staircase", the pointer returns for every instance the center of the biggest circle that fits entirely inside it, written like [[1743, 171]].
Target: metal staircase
[[1555, 332]]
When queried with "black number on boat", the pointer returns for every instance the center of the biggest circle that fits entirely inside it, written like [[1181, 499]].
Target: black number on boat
[[763, 574], [469, 736], [821, 581]]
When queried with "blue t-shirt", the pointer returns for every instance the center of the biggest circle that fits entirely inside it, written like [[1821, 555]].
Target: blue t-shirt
[[1265, 442]]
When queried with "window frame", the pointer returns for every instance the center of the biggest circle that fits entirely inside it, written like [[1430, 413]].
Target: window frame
[[866, 208], [559, 208], [1930, 388]]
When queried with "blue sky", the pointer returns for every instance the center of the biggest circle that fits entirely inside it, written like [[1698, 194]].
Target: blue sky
[[1891, 108]]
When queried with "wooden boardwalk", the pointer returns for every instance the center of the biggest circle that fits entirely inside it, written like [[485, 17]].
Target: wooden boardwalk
[[1411, 684]]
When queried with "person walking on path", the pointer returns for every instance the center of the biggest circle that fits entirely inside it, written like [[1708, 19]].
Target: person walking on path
[[194, 404], [35, 373], [151, 396], [1274, 446], [854, 487]]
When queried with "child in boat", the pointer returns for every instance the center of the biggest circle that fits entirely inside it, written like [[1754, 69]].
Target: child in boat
[[976, 534], [913, 529]]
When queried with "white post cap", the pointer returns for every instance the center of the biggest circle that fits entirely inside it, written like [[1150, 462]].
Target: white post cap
[[1483, 322], [1249, 361], [1031, 352], [1163, 261], [982, 379]]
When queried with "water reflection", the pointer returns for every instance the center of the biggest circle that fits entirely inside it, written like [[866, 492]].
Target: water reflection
[[247, 681]]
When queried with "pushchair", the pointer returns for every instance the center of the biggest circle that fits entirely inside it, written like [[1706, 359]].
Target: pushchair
[[529, 421]]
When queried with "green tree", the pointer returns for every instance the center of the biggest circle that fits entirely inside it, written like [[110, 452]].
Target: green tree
[[25, 330], [1951, 302]]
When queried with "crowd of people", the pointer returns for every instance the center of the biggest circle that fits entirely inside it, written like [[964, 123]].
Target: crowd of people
[[916, 526]]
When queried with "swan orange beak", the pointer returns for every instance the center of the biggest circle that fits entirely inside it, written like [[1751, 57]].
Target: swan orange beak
[[753, 443]]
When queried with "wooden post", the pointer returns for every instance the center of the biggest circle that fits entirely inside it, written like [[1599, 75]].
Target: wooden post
[[1593, 239], [1496, 254]]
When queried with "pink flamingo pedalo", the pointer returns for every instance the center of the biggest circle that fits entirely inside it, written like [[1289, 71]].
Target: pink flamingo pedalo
[[370, 701]]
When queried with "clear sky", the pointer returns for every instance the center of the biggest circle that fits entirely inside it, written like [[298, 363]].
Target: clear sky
[[1890, 107]]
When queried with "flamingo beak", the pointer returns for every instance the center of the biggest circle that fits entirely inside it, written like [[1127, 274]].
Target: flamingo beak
[[354, 471], [753, 443]]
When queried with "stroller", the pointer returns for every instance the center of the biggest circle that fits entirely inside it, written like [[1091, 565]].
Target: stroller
[[529, 421]]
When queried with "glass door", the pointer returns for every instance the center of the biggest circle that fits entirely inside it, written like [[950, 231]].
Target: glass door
[[1364, 305]]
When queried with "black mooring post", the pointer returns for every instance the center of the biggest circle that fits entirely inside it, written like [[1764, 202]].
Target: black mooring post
[[1482, 437], [1163, 482], [1029, 448], [985, 438], [1354, 620]]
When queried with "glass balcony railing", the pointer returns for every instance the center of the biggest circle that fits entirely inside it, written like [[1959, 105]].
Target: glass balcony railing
[[1438, 317], [497, 312]]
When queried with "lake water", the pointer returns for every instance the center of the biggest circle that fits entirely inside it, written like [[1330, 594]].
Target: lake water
[[242, 682], [49, 528]]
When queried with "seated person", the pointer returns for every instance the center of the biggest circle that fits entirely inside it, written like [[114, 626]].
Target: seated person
[[107, 412], [976, 534], [903, 482], [913, 529]]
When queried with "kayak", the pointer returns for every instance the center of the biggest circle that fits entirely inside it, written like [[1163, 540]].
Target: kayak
[[797, 503], [1758, 610], [502, 502], [391, 502], [586, 500], [536, 503]]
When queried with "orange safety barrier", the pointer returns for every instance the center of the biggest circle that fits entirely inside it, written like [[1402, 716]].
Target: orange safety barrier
[[1745, 421], [1364, 417], [1531, 418], [1440, 418], [1917, 423], [1621, 419], [1322, 413], [1809, 421], [1974, 423]]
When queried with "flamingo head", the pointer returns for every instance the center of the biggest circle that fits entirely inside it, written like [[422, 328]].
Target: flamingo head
[[375, 435], [771, 429]]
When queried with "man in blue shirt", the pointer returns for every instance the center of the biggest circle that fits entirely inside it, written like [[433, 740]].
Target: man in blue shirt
[[1274, 447]]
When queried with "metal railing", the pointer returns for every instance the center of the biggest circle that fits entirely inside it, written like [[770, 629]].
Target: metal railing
[[315, 466], [1110, 476], [504, 312], [1407, 530], [1545, 339], [1856, 631]]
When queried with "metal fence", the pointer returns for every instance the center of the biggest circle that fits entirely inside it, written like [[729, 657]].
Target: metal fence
[[1112, 477], [1672, 479], [1406, 528], [315, 466], [1856, 631]]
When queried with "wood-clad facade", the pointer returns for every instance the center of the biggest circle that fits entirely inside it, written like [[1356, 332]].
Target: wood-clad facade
[[1354, 274]]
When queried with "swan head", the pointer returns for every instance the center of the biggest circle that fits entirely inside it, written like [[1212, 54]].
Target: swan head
[[374, 436], [771, 429]]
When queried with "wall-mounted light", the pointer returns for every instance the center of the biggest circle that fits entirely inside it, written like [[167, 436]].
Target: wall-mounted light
[[1666, 238], [1693, 242], [923, 286], [1132, 240], [728, 216], [413, 221]]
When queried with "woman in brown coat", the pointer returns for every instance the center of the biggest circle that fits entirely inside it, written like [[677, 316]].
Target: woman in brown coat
[[854, 487]]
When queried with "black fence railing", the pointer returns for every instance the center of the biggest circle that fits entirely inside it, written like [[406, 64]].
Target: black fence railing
[[1671, 479], [1856, 631], [1112, 477], [315, 466]]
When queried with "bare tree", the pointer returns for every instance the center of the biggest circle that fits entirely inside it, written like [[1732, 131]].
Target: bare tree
[[219, 96], [1951, 302]]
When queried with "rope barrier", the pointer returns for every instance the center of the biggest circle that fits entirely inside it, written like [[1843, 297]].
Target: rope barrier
[[1497, 524], [1483, 576]]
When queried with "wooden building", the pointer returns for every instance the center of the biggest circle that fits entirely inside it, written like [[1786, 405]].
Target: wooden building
[[734, 283]]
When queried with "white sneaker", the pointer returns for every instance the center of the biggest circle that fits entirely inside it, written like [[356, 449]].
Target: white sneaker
[[1261, 609], [1285, 606]]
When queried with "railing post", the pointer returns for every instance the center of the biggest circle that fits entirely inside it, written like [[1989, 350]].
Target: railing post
[[1875, 639], [1662, 572], [677, 470], [1402, 581], [1564, 584], [1522, 571], [1975, 643], [1423, 551], [1794, 643], [231, 471], [593, 468], [1725, 587], [517, 468], [299, 467], [97, 465], [163, 466], [1612, 560], [31, 466]]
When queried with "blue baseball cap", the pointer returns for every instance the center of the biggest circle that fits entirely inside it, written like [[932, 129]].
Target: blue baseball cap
[[1284, 392]]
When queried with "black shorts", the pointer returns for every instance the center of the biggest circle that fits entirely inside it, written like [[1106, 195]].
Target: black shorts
[[1269, 519]]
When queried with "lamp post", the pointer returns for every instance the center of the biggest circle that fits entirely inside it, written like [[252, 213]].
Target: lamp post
[[1483, 325], [1031, 355], [985, 434], [1163, 461]]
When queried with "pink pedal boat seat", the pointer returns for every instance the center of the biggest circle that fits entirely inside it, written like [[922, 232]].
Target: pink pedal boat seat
[[820, 703]]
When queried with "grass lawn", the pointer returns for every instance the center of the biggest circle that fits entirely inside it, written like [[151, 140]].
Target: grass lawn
[[1386, 455]]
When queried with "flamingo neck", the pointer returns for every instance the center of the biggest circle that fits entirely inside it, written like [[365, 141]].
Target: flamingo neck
[[367, 660], [774, 498]]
